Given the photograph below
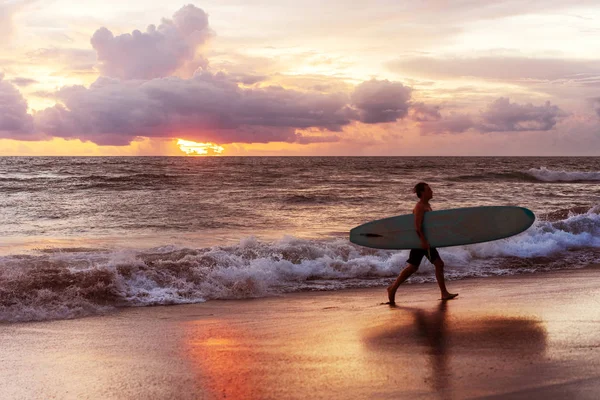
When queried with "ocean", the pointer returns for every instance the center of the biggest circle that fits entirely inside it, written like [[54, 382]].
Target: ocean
[[84, 236]]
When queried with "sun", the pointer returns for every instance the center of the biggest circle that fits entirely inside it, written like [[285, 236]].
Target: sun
[[199, 149]]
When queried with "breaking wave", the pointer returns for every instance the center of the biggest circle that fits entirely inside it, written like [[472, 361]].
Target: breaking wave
[[541, 174], [76, 282], [548, 175]]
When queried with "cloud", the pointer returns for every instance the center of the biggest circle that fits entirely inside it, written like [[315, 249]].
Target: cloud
[[23, 82], [451, 123], [6, 24], [212, 107], [504, 116], [309, 139], [596, 105], [7, 11], [248, 79], [500, 116], [207, 107], [72, 57], [14, 120], [422, 112], [381, 101], [500, 68], [156, 53]]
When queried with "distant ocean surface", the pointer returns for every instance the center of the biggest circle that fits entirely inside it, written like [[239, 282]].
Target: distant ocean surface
[[82, 236]]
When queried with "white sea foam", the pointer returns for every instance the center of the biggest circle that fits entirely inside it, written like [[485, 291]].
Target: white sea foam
[[549, 175], [56, 285]]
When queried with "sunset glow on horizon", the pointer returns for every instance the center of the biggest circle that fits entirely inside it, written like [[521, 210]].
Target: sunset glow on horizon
[[464, 78], [199, 149]]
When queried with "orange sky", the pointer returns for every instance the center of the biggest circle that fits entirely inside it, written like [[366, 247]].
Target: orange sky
[[280, 78]]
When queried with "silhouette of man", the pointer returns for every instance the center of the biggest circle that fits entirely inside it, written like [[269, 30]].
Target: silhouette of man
[[424, 193]]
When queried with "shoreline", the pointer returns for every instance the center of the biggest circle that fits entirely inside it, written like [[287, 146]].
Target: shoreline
[[520, 336]]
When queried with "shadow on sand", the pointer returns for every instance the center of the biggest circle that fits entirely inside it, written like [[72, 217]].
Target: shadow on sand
[[466, 343]]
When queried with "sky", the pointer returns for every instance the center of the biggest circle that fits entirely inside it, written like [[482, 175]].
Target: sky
[[282, 77]]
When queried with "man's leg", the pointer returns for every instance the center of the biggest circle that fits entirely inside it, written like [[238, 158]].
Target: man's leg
[[406, 272], [439, 276]]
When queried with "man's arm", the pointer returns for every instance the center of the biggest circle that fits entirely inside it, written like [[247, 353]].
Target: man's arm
[[419, 217]]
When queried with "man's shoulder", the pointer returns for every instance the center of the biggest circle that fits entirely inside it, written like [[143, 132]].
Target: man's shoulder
[[420, 207]]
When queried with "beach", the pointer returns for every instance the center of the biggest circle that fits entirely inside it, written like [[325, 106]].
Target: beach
[[211, 203], [525, 336]]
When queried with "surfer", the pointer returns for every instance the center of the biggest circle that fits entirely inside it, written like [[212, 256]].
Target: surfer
[[424, 193]]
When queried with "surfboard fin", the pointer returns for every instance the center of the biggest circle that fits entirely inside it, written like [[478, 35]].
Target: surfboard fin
[[371, 235]]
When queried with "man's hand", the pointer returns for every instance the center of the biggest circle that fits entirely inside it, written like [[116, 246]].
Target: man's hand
[[425, 244]]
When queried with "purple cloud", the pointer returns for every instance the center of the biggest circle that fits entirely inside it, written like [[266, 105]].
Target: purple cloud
[[22, 82], [381, 101], [452, 123], [308, 139], [206, 107], [14, 120], [500, 116], [248, 79], [156, 53], [596, 105], [422, 112], [503, 116], [136, 96]]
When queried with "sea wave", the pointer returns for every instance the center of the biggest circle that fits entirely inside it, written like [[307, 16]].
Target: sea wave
[[310, 199], [548, 175], [76, 282], [88, 182], [541, 174], [495, 176]]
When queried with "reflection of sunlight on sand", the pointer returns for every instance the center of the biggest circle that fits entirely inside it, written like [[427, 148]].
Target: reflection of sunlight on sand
[[223, 364], [329, 357]]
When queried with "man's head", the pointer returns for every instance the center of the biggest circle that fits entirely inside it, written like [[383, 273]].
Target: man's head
[[423, 191]]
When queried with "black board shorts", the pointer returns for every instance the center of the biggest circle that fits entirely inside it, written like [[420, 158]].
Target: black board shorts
[[416, 256]]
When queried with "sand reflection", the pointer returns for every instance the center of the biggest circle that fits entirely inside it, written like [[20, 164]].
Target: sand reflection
[[453, 347], [222, 360]]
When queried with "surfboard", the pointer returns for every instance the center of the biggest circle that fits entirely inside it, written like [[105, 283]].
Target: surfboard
[[445, 228]]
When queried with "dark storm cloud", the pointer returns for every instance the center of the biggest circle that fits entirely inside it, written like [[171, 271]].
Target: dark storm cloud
[[381, 101], [14, 120], [156, 53]]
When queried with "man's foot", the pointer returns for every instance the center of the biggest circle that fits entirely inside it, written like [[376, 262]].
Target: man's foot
[[449, 296], [391, 296]]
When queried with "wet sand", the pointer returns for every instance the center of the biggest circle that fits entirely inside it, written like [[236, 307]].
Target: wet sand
[[522, 337]]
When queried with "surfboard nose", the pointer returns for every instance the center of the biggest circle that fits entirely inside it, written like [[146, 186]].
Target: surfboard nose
[[529, 213]]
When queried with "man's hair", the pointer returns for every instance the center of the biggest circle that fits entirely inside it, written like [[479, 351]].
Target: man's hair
[[419, 188]]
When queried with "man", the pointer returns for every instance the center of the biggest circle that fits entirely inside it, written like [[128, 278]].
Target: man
[[424, 193]]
